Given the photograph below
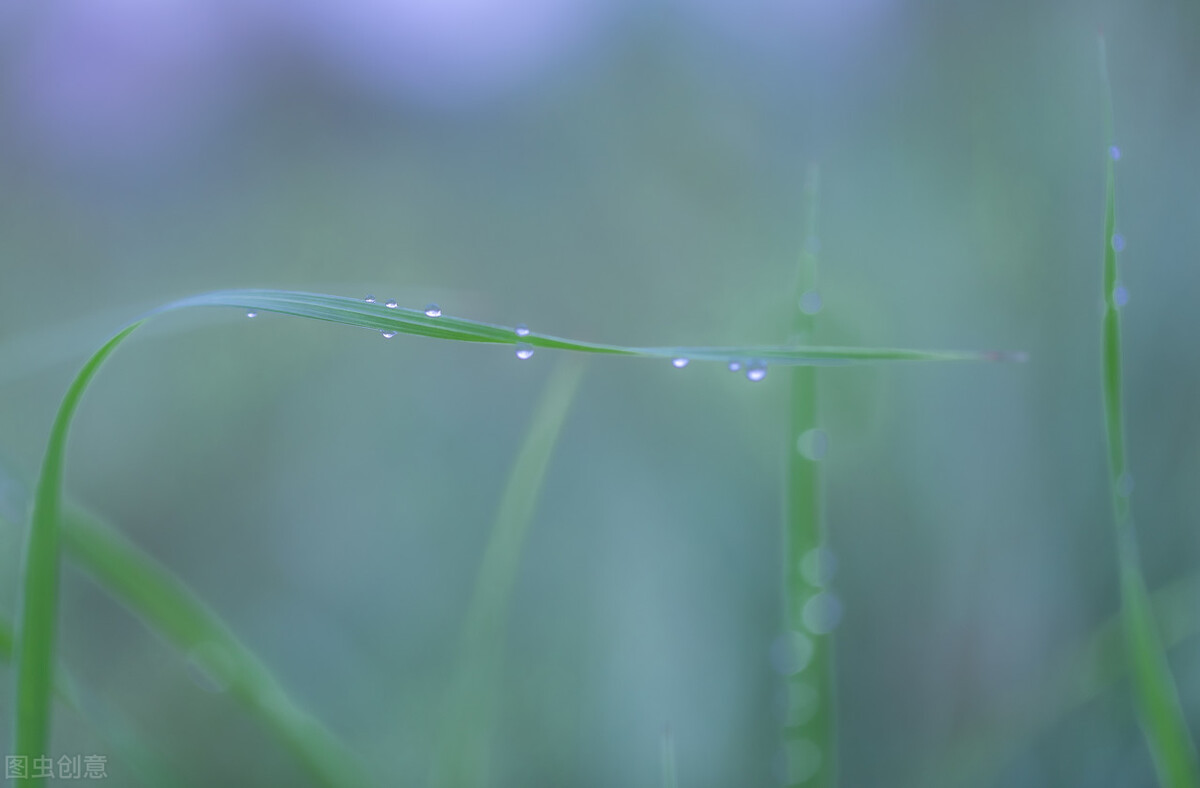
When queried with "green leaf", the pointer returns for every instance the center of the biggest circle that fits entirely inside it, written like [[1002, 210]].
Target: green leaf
[[36, 630], [354, 312], [1159, 708]]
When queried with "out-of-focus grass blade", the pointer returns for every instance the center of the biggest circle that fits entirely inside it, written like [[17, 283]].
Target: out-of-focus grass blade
[[669, 780], [1159, 708], [91, 545], [465, 733], [171, 610], [810, 747], [6, 640], [978, 753]]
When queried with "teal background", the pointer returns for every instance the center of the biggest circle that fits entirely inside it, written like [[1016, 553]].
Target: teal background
[[628, 173]]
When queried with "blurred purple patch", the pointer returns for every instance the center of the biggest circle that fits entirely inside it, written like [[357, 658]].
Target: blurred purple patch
[[1115, 152], [444, 52], [121, 78]]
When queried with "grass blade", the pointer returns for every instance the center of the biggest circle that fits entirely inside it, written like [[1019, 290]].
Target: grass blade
[[170, 609], [36, 631], [354, 312], [464, 739], [809, 735], [1159, 708]]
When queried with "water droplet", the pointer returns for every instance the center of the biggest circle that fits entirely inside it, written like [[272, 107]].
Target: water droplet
[[1120, 295], [209, 666], [756, 371], [734, 366], [1125, 485], [1118, 242], [387, 333], [810, 302], [791, 652], [391, 304], [433, 310], [679, 363], [1115, 152], [822, 613], [251, 314], [522, 330], [818, 566], [813, 444], [524, 351], [797, 703], [798, 762], [369, 299]]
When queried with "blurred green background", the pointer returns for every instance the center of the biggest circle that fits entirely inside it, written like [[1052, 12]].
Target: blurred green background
[[627, 172]]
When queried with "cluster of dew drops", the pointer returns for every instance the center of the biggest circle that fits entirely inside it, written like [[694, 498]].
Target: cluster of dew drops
[[755, 370], [524, 350]]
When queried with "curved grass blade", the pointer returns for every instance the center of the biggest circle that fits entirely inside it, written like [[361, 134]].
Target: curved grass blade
[[1159, 709], [464, 739], [36, 629], [169, 608], [353, 312], [809, 703]]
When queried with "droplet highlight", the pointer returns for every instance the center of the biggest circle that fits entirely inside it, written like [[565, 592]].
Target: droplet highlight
[[813, 444], [391, 304], [791, 652], [524, 351], [387, 333], [798, 762], [756, 371], [251, 314], [1120, 295], [433, 310], [797, 703], [822, 613], [818, 566], [1118, 242], [734, 366], [522, 330], [1115, 153], [680, 363], [369, 299], [810, 302]]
